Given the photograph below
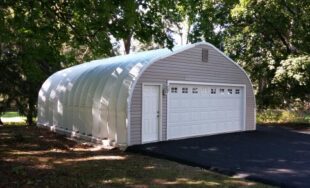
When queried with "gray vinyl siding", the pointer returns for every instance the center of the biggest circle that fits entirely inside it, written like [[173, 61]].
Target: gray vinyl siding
[[187, 66]]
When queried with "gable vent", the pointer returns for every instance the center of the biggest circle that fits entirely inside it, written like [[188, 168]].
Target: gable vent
[[205, 55]]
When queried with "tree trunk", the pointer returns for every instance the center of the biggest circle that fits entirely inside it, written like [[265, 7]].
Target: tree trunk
[[188, 29], [30, 113], [29, 119], [127, 44]]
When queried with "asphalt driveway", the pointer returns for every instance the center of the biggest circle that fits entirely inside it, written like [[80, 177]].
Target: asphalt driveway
[[277, 156]]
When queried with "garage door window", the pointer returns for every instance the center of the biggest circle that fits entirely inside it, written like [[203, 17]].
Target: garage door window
[[195, 90], [237, 91], [222, 91], [229, 91], [174, 90], [184, 90], [213, 91]]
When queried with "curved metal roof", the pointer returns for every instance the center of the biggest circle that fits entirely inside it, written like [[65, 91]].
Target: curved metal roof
[[88, 96]]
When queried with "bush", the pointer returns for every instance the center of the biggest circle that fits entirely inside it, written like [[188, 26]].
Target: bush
[[282, 116]]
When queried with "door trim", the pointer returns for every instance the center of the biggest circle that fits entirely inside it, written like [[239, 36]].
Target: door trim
[[160, 127], [169, 82]]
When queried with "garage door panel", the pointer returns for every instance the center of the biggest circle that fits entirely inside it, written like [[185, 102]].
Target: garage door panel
[[203, 110]]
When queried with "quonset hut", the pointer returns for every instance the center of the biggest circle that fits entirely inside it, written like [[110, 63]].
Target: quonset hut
[[151, 96]]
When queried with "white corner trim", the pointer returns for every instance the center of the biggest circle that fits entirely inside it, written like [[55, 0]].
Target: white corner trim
[[244, 108]]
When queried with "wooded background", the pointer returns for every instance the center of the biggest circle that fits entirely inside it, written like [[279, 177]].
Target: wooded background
[[269, 39]]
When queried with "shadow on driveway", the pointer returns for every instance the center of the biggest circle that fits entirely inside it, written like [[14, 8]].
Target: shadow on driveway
[[277, 156]]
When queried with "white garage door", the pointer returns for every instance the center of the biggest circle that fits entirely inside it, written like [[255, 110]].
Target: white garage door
[[195, 110]]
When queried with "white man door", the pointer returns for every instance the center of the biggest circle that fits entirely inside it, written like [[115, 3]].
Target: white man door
[[150, 113]]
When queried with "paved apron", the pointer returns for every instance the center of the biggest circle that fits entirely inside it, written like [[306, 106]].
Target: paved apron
[[277, 156]]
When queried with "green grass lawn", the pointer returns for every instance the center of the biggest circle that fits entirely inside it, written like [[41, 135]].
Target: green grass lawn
[[10, 114], [36, 157], [13, 118]]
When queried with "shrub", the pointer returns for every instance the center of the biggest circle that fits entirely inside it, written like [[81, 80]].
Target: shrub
[[282, 116]]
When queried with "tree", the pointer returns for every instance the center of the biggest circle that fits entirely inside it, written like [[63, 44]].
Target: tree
[[293, 75], [40, 37], [92, 24], [30, 43], [263, 34], [144, 21], [207, 19]]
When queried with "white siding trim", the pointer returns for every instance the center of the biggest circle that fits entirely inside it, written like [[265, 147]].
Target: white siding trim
[[167, 115], [244, 107], [255, 118]]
